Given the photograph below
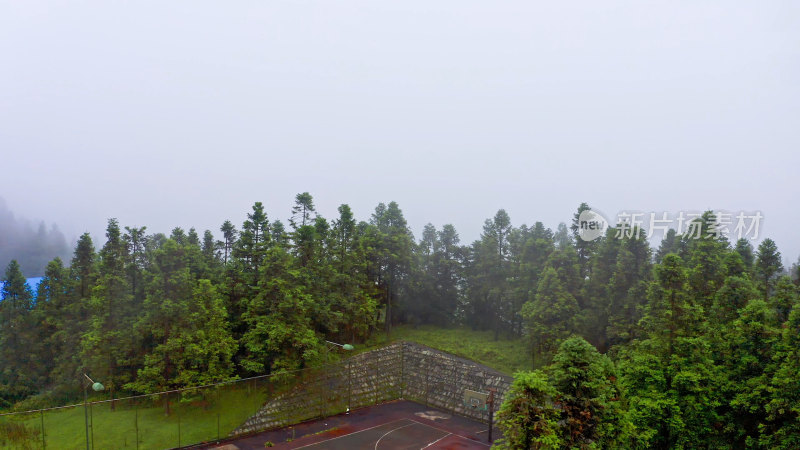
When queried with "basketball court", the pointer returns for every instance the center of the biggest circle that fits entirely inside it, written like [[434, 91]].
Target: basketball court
[[399, 424], [400, 434]]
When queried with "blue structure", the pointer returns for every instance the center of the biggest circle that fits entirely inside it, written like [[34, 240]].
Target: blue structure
[[33, 283]]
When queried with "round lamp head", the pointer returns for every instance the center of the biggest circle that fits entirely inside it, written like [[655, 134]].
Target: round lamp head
[[348, 347], [98, 386]]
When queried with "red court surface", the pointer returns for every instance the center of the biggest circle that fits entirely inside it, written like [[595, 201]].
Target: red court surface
[[395, 425]]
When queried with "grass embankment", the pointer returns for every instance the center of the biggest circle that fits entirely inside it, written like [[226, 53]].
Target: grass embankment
[[505, 355]]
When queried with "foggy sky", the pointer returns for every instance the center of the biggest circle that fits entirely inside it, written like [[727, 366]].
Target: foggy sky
[[184, 113]]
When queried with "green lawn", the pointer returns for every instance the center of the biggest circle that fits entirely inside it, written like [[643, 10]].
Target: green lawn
[[191, 421], [507, 356]]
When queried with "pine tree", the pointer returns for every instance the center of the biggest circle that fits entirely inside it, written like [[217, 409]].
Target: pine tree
[[280, 333], [109, 349], [20, 369], [229, 235], [627, 288], [587, 396], [392, 246], [749, 368], [51, 313], [670, 244], [550, 316], [185, 322], [768, 266], [669, 377], [527, 417], [302, 210], [745, 250], [784, 299], [584, 248], [782, 428]]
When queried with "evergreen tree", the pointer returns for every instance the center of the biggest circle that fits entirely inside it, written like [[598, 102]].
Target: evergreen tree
[[768, 266], [253, 242], [669, 377], [527, 417], [745, 250], [670, 244], [136, 241], [784, 299], [51, 313], [20, 368], [392, 246], [584, 248], [749, 369], [109, 349], [705, 257], [587, 396], [229, 236], [782, 428], [551, 314], [627, 288], [185, 322], [280, 332], [562, 237], [302, 210]]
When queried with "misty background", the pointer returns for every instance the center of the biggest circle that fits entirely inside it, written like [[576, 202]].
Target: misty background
[[186, 113]]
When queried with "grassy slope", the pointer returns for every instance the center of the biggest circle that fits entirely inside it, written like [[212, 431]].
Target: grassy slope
[[507, 356], [65, 428]]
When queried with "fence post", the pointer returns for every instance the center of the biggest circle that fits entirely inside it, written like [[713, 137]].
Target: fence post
[[91, 422], [178, 409], [349, 382], [452, 386], [41, 413], [427, 381], [375, 379], [218, 409], [322, 388], [136, 422], [402, 366]]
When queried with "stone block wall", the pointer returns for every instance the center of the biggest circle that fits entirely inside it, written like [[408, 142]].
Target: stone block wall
[[400, 370]]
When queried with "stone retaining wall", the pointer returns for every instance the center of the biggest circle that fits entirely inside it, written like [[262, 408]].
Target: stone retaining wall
[[399, 370]]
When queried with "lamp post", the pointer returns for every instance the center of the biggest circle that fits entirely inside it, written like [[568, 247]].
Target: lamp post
[[97, 387], [345, 347]]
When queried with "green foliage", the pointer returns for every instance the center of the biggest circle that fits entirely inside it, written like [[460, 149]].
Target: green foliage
[[768, 265], [550, 316], [527, 417], [696, 350], [782, 429], [280, 333], [575, 403], [186, 322], [587, 396]]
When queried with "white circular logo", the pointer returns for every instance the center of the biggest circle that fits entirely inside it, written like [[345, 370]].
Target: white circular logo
[[591, 225]]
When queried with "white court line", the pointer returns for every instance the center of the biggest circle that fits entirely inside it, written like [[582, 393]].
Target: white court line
[[454, 434], [346, 435], [448, 434], [390, 431]]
